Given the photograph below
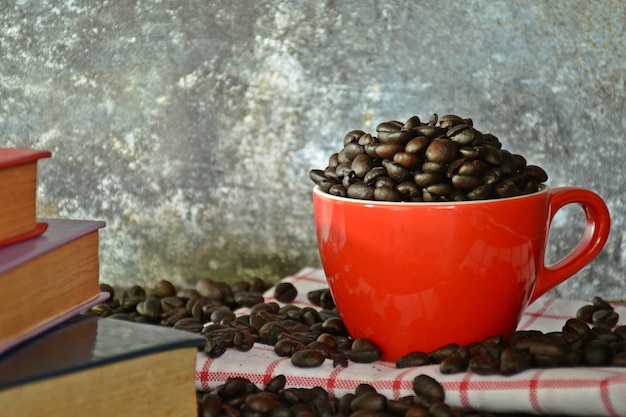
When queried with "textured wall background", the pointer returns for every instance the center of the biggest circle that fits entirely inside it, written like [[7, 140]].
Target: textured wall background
[[190, 127]]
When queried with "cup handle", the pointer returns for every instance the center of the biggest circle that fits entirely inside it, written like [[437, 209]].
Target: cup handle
[[595, 235]]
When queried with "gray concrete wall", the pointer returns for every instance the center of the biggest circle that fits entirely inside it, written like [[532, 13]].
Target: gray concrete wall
[[190, 126]]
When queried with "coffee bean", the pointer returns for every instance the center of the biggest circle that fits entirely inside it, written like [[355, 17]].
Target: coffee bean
[[361, 191], [440, 409], [484, 365], [307, 358], [369, 401], [285, 292], [605, 317], [453, 364], [428, 386], [597, 353], [210, 405], [585, 313], [413, 359], [189, 324], [513, 362]]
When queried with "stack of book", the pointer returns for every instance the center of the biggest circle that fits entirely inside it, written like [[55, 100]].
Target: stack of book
[[54, 361]]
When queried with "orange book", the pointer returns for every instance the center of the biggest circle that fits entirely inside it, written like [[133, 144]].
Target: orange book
[[18, 194], [48, 278]]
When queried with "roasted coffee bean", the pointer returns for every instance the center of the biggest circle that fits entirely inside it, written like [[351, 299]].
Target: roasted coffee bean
[[314, 296], [215, 346], [369, 401], [417, 145], [361, 165], [440, 409], [413, 359], [210, 405], [480, 193], [307, 358], [429, 131], [363, 350], [102, 310], [439, 354], [108, 289], [189, 324], [453, 364], [513, 361], [286, 347], [373, 175], [222, 313], [601, 304], [466, 182], [339, 190], [387, 150], [441, 150], [171, 303], [352, 136], [361, 191], [585, 313], [619, 359], [409, 191], [334, 326], [425, 179], [169, 318], [605, 317], [396, 172], [243, 341], [384, 182], [276, 384], [323, 347], [285, 292], [163, 288], [535, 172], [352, 149], [484, 365], [249, 298], [597, 353], [408, 160], [428, 386], [386, 194]]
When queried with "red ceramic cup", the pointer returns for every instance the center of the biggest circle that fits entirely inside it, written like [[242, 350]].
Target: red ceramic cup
[[417, 276]]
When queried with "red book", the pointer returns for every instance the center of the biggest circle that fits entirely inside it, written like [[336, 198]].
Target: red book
[[45, 279], [18, 194]]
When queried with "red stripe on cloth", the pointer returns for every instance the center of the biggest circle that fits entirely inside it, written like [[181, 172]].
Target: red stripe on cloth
[[463, 389], [269, 371], [314, 275], [534, 398], [399, 384], [535, 316], [332, 378], [606, 398], [203, 374]]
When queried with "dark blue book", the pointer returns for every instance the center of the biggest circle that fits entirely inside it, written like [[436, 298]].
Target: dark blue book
[[90, 366]]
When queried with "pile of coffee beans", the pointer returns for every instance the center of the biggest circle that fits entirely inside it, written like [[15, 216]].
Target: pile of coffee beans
[[311, 336], [307, 335], [444, 159], [240, 397]]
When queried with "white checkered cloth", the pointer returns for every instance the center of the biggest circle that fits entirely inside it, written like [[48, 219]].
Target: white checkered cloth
[[580, 391]]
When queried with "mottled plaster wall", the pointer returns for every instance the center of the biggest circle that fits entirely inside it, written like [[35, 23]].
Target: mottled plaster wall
[[190, 127]]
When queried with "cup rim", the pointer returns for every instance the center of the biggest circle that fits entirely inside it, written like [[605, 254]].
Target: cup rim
[[543, 188]]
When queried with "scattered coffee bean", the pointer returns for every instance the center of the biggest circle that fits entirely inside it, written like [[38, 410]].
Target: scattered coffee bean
[[285, 292]]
